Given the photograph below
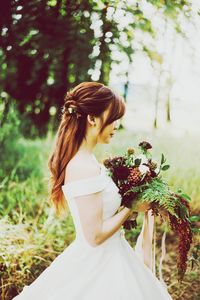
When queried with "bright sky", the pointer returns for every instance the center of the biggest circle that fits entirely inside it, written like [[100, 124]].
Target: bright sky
[[181, 64]]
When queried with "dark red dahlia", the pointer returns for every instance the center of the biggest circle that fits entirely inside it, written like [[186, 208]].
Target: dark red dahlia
[[121, 172], [118, 160], [130, 224], [127, 198], [145, 145]]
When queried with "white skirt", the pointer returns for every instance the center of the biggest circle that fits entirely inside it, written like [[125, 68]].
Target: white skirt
[[110, 271]]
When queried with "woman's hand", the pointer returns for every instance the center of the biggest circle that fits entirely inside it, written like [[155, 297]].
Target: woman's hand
[[133, 215], [141, 206], [137, 207]]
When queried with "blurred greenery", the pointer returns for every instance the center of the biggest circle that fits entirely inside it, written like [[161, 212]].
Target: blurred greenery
[[49, 46], [31, 235], [46, 48]]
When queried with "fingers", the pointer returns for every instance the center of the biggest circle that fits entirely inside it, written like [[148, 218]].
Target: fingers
[[142, 207], [133, 216]]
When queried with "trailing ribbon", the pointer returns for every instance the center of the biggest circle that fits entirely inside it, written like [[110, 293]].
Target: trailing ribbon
[[163, 253], [143, 247]]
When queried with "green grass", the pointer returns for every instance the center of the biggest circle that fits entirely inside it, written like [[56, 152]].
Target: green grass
[[31, 236]]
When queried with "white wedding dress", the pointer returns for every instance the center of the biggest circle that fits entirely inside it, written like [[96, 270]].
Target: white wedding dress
[[109, 271]]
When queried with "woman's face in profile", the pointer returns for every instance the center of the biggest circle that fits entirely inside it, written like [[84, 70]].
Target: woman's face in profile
[[109, 130]]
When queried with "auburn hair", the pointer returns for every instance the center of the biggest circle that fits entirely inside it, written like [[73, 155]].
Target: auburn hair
[[91, 98]]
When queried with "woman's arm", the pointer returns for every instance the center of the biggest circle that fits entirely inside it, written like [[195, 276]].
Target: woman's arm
[[90, 208], [96, 231], [111, 225]]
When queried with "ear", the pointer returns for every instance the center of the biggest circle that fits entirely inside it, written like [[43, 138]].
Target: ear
[[91, 120]]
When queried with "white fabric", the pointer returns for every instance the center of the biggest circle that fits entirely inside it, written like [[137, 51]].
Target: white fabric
[[144, 243], [110, 271], [143, 247]]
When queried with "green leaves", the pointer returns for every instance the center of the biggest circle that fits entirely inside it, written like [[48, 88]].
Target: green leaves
[[163, 160], [165, 167], [157, 190], [195, 230], [137, 161], [183, 212], [183, 195], [194, 218], [186, 197]]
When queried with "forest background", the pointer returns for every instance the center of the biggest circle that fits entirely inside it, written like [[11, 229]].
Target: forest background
[[148, 51]]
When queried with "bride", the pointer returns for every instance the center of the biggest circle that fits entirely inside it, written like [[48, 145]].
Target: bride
[[99, 264]]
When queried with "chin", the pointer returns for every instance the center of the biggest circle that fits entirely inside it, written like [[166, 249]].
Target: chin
[[108, 140], [105, 140]]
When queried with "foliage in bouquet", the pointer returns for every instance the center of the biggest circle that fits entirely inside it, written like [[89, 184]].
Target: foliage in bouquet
[[139, 180]]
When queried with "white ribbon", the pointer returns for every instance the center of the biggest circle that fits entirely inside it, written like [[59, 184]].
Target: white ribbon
[[143, 247], [163, 253]]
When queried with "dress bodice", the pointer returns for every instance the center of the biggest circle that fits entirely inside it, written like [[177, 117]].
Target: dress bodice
[[100, 183]]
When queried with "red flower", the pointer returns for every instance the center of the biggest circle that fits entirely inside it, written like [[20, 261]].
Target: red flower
[[135, 176], [145, 145], [184, 232], [121, 172]]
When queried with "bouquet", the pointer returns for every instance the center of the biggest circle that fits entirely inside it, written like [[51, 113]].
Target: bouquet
[[139, 180]]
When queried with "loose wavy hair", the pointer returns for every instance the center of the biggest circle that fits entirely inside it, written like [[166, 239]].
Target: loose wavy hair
[[91, 98]]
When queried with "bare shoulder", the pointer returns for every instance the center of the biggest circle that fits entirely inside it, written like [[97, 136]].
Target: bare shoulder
[[81, 168]]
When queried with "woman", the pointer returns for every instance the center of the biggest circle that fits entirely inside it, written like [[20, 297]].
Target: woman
[[99, 264]]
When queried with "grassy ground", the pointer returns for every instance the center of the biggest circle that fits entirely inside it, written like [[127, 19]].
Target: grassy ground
[[31, 236]]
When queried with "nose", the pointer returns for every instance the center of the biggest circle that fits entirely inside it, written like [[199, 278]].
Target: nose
[[116, 127]]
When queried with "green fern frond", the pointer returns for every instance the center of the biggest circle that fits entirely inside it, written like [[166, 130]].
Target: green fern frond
[[158, 191]]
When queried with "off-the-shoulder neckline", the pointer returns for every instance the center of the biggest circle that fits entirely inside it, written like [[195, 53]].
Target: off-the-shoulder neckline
[[88, 178]]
